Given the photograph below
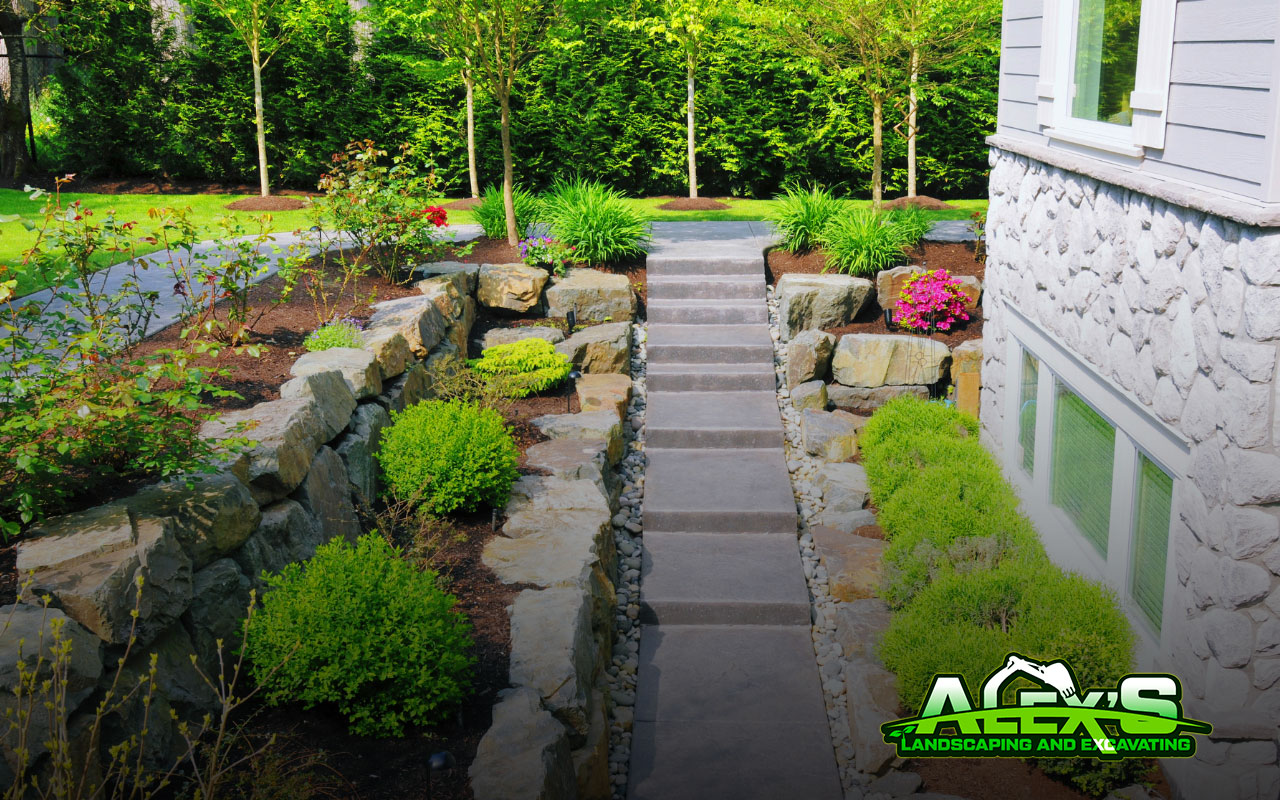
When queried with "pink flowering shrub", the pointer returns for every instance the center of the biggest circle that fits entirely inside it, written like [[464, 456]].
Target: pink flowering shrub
[[930, 301]]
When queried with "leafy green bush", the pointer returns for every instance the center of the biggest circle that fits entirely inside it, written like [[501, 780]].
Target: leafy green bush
[[912, 223], [802, 215], [342, 333], [909, 415], [595, 220], [1096, 778], [447, 456], [363, 629], [523, 367], [491, 214], [863, 242], [967, 623], [908, 434]]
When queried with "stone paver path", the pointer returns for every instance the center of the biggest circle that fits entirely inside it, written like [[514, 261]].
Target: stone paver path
[[728, 703]]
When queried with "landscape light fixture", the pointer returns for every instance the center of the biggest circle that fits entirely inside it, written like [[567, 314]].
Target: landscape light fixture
[[573, 383], [570, 322], [888, 318], [439, 762]]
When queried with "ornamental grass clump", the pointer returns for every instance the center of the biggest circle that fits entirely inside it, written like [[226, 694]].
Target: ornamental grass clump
[[361, 628], [931, 301], [491, 213], [802, 215], [523, 367], [595, 220], [445, 456], [863, 242]]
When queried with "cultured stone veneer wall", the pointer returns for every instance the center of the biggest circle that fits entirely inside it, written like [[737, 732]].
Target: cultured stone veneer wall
[[1182, 310]]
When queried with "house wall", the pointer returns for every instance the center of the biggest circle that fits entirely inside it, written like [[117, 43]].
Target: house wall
[[1175, 313], [1222, 109]]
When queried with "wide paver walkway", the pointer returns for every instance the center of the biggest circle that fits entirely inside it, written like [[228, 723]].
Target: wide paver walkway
[[728, 704]]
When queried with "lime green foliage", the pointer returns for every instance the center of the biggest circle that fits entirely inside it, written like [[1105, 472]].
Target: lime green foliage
[[863, 242], [363, 629], [965, 569], [523, 367], [1097, 778], [491, 214], [595, 220], [447, 456], [967, 623], [336, 334], [801, 215]]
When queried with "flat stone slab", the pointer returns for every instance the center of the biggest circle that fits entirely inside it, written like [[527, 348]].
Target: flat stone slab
[[714, 312], [674, 377], [721, 490], [951, 231], [713, 419], [709, 344], [712, 579], [711, 287]]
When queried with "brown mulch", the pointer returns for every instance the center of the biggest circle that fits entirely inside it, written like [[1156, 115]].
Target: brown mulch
[[693, 204], [1002, 779], [465, 204], [149, 186], [273, 203], [486, 251], [919, 201]]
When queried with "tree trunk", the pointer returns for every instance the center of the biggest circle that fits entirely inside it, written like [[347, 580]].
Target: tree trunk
[[877, 149], [258, 118], [693, 158], [471, 130], [14, 160], [508, 169], [913, 125]]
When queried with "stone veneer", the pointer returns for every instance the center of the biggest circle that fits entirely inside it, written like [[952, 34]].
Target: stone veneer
[[1181, 311]]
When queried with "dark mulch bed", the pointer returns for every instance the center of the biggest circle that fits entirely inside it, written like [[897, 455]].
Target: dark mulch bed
[[149, 186], [693, 204], [465, 204], [957, 259], [1002, 779], [273, 203], [919, 201], [486, 251]]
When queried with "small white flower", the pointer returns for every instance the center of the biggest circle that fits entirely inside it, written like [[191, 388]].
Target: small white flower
[[83, 411]]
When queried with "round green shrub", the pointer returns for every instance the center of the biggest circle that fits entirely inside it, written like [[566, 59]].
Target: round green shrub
[[967, 623], [491, 213], [448, 455], [523, 367], [361, 628], [908, 415], [336, 334]]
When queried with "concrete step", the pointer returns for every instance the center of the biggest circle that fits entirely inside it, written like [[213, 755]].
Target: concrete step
[[713, 312], [662, 266], [712, 579], [707, 287], [718, 491], [675, 377], [710, 344], [730, 713], [713, 419]]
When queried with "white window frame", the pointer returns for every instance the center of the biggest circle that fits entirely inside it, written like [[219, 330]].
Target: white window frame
[[1137, 432], [1149, 99]]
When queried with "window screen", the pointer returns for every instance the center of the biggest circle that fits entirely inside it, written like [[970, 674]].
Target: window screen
[[1106, 60], [1152, 507], [1083, 459], [1027, 411]]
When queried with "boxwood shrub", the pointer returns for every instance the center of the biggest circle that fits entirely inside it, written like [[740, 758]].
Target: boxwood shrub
[[523, 367], [361, 628], [448, 455]]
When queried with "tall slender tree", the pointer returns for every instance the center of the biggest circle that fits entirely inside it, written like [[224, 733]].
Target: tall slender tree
[[16, 110]]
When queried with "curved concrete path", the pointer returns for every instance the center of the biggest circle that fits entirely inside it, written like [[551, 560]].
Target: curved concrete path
[[729, 701]]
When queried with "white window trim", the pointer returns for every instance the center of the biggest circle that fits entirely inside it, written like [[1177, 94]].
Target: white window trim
[[1150, 97], [1137, 432]]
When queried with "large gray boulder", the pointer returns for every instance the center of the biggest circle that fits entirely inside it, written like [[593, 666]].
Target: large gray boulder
[[329, 391], [451, 297], [603, 424], [525, 753], [358, 367], [416, 318], [98, 587], [576, 460], [514, 287], [287, 431], [889, 283], [219, 603], [879, 359], [592, 295], [497, 336], [810, 302], [809, 357], [357, 447], [831, 435], [869, 399], [210, 518], [860, 625], [554, 652], [540, 502], [390, 348], [287, 533], [436, 268], [600, 348], [811, 395], [411, 387], [871, 697], [326, 495], [843, 486]]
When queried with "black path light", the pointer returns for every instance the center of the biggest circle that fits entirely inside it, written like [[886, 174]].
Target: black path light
[[439, 762], [573, 383], [570, 322]]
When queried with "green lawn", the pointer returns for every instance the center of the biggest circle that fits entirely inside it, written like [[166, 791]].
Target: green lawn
[[206, 210]]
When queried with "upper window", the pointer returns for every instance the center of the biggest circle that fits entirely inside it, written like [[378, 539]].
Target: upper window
[[1106, 60]]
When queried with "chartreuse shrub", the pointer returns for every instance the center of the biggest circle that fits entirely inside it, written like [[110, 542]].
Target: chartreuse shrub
[[361, 628], [341, 333], [448, 455], [523, 367], [595, 220], [802, 215], [491, 214]]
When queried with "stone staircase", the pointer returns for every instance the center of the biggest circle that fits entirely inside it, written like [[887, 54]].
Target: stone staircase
[[728, 702]]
